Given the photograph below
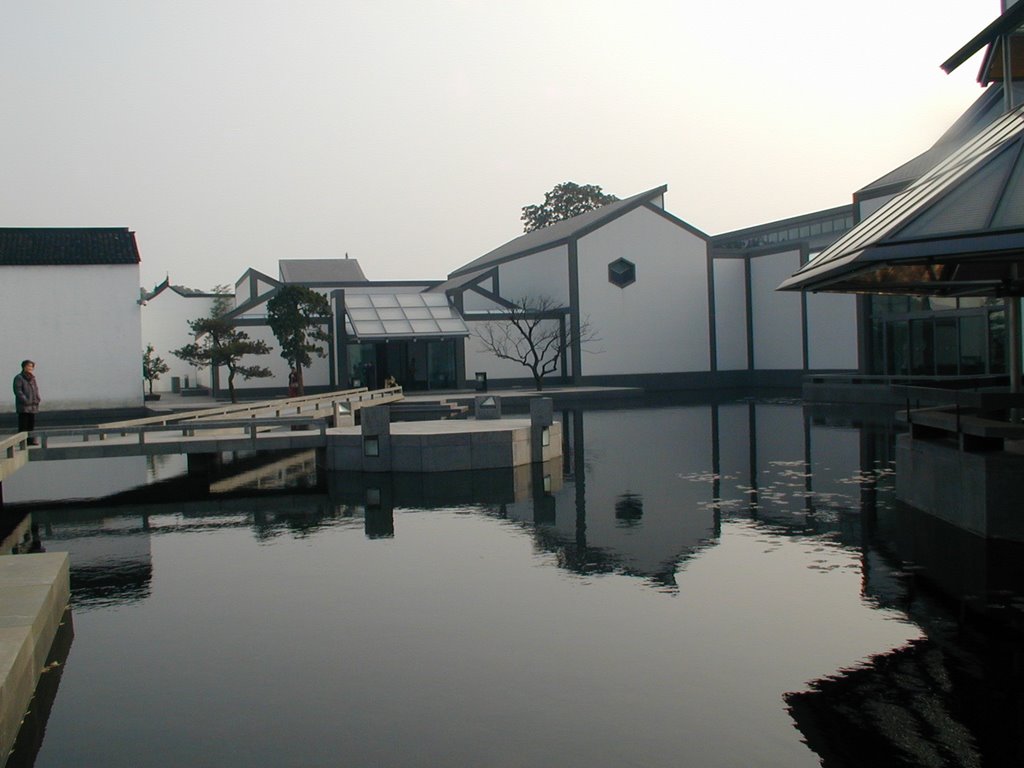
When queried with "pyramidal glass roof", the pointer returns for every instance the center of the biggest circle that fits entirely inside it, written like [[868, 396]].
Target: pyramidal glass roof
[[372, 316], [959, 229]]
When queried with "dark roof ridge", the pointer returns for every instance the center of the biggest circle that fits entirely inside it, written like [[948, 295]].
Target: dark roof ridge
[[559, 232]]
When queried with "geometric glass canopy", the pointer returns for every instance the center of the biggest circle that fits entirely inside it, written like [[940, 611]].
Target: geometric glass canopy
[[956, 231], [370, 316]]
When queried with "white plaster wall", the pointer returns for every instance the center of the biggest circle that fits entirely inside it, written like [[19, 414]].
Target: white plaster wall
[[542, 274], [479, 359], [474, 302], [659, 324], [165, 320], [243, 290], [82, 327], [731, 314], [831, 331], [778, 328]]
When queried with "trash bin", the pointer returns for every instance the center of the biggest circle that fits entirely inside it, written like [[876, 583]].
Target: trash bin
[[481, 381]]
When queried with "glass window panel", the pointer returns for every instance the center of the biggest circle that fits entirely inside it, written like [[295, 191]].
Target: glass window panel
[[997, 341], [391, 313], [384, 300], [946, 341], [369, 328], [877, 348], [444, 311], [424, 326], [973, 342], [966, 207], [898, 348], [417, 313], [397, 326], [973, 302], [922, 347], [441, 364], [357, 300], [362, 314], [1011, 207], [941, 303], [409, 300], [452, 326]]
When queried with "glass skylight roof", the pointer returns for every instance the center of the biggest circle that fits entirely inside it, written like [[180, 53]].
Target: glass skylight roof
[[974, 193], [371, 316]]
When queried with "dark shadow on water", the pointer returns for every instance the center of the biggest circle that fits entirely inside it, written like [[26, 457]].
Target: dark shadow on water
[[33, 727]]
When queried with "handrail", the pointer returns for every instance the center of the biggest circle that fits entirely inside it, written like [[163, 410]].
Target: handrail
[[326, 399], [12, 443], [250, 426]]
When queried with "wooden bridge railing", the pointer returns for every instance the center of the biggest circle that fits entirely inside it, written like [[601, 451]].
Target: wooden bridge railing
[[250, 426], [338, 403], [13, 455]]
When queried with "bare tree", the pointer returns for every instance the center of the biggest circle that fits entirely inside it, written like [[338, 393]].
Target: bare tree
[[534, 332]]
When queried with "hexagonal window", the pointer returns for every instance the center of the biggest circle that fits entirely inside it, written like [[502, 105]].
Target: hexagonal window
[[621, 273]]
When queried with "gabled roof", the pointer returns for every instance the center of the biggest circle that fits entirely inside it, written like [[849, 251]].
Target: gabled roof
[[181, 290], [957, 231], [558, 233], [321, 271], [978, 116], [67, 247]]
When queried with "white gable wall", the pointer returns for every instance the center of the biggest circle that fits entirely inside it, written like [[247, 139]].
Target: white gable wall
[[82, 327], [659, 324], [731, 314], [165, 320], [541, 274], [777, 323]]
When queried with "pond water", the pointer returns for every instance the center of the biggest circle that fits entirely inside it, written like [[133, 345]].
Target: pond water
[[694, 585]]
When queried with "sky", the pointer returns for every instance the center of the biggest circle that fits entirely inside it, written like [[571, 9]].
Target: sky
[[409, 134]]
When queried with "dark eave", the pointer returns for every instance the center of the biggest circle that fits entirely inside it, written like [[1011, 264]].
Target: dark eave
[[1005, 24]]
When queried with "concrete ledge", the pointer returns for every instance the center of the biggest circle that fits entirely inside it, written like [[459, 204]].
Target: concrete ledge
[[34, 591], [977, 492], [442, 446]]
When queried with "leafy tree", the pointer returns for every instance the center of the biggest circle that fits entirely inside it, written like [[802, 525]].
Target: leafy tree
[[296, 315], [564, 201], [532, 334], [152, 366], [219, 343]]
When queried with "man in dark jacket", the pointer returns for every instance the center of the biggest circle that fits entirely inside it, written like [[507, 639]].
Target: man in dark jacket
[[26, 398]]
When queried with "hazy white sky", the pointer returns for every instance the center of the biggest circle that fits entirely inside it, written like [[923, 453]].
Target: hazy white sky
[[410, 133]]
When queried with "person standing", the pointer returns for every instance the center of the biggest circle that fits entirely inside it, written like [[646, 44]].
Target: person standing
[[26, 398]]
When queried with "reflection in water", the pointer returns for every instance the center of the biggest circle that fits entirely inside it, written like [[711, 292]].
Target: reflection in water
[[758, 541]]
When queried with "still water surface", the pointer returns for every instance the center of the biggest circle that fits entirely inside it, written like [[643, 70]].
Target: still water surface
[[694, 586]]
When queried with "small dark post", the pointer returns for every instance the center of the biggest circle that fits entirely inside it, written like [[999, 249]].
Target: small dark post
[[376, 431], [541, 417]]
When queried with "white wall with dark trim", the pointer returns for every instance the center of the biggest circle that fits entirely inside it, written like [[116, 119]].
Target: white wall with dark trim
[[658, 324], [540, 274], [777, 318], [82, 327], [165, 319], [731, 314], [831, 331]]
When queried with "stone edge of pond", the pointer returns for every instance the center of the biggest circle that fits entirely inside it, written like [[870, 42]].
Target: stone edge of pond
[[34, 592]]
